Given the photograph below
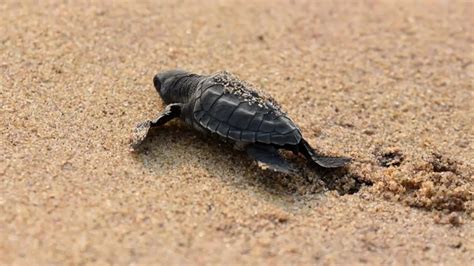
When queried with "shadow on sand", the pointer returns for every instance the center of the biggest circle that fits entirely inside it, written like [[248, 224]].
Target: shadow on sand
[[175, 146]]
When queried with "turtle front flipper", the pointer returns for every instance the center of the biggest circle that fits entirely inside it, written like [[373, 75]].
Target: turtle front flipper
[[323, 161], [141, 130], [267, 156]]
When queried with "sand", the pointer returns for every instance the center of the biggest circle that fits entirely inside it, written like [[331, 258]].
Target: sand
[[388, 83]]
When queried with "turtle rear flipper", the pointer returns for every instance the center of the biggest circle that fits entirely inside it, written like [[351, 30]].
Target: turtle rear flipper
[[323, 161], [268, 156], [331, 162]]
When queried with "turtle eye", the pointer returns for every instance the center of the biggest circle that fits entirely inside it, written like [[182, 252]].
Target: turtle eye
[[157, 83]]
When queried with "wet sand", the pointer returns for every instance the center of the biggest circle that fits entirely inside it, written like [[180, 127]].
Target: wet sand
[[388, 83]]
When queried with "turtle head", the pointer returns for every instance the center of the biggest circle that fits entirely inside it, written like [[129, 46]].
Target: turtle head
[[171, 85]]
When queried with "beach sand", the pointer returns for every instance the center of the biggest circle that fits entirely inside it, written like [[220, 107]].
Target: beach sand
[[388, 83]]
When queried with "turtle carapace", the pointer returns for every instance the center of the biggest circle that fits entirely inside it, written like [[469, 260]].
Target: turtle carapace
[[223, 105]]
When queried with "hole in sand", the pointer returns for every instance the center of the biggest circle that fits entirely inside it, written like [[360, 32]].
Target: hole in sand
[[389, 157]]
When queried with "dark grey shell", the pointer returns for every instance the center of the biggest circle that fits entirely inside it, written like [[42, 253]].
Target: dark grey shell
[[237, 112]]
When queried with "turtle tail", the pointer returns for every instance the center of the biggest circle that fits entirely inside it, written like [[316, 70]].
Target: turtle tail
[[323, 161]]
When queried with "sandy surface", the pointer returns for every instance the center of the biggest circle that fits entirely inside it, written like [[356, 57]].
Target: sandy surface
[[388, 83]]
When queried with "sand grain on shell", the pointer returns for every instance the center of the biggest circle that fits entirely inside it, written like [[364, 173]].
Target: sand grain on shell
[[387, 83], [245, 91]]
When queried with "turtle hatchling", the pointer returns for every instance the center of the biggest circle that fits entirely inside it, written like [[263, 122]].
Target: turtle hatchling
[[222, 105]]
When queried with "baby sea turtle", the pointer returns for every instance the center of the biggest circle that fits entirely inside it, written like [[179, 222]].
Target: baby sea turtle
[[225, 106]]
